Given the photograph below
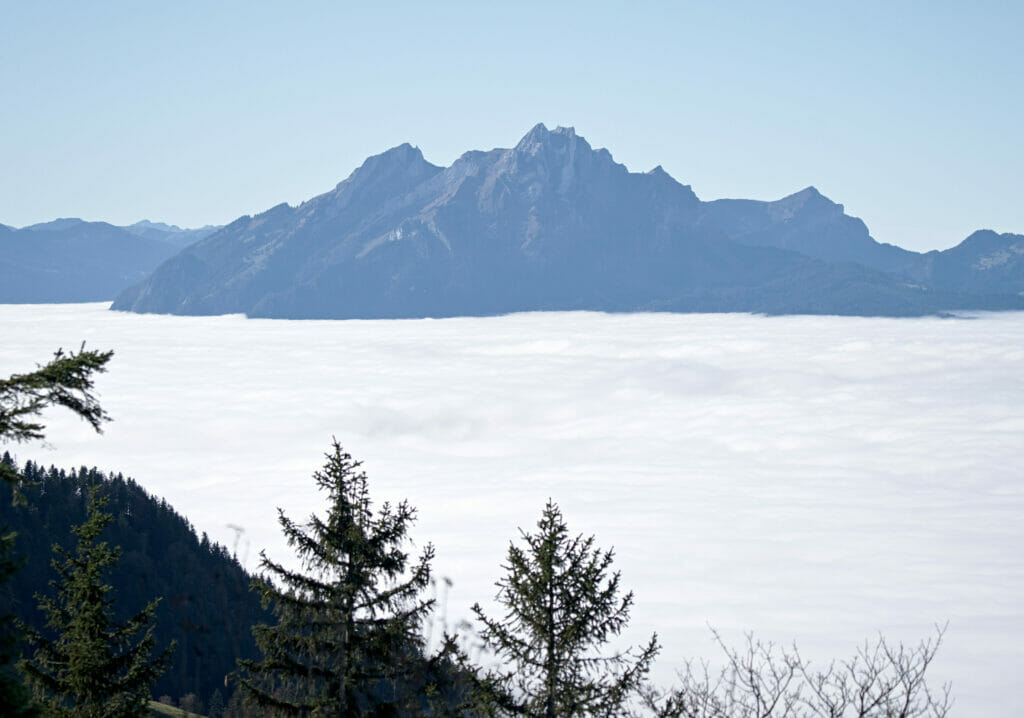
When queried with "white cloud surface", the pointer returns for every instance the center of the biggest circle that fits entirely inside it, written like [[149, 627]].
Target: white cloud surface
[[817, 479]]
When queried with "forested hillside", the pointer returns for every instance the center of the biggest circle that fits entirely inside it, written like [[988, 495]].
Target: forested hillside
[[206, 606]]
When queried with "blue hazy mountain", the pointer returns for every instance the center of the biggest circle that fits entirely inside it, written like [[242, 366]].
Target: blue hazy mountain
[[170, 233], [70, 260], [809, 223], [554, 224], [984, 262]]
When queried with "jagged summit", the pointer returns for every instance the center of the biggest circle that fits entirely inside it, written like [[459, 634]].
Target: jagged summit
[[560, 139], [549, 224], [537, 134], [403, 159]]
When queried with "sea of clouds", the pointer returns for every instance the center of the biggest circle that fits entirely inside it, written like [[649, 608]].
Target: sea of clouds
[[817, 479]]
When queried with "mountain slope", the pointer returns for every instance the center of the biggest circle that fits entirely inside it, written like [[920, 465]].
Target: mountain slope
[[74, 261], [984, 262], [809, 223], [551, 224], [69, 260], [206, 606]]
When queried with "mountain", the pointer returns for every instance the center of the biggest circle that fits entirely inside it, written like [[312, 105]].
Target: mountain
[[809, 223], [70, 260], [170, 233], [74, 261], [984, 262], [550, 224]]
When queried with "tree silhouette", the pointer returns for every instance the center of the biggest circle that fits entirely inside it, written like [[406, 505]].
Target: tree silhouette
[[95, 668], [67, 381], [561, 604], [348, 624]]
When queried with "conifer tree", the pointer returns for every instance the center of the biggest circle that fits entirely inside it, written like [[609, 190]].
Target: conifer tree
[[216, 709], [67, 380], [348, 632], [95, 668], [15, 699], [561, 605]]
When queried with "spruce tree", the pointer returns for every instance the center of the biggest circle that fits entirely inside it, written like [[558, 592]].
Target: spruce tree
[[67, 380], [216, 709], [95, 668], [561, 604], [348, 633], [15, 699]]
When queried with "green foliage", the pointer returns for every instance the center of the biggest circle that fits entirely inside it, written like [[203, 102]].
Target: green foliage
[[561, 605], [67, 380], [207, 608], [217, 705], [96, 668], [347, 640]]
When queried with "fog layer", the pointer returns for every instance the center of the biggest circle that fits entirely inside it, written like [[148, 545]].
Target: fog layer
[[815, 479]]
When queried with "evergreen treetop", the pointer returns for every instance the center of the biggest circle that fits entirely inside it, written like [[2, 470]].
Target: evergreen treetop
[[67, 381], [95, 668], [562, 604], [348, 633]]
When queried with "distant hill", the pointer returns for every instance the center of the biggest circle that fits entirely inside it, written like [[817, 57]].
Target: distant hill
[[809, 223], [553, 224], [69, 260], [170, 233], [207, 606], [985, 263]]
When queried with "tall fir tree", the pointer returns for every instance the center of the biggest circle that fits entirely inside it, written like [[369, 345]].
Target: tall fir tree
[[561, 604], [95, 668], [348, 637]]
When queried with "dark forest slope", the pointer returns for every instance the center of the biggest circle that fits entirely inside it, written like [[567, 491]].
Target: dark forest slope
[[207, 606]]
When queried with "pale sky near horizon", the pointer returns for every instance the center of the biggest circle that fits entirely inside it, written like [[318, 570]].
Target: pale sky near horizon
[[195, 113]]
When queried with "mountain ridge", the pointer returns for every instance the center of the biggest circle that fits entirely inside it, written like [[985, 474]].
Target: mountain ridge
[[548, 224], [72, 260]]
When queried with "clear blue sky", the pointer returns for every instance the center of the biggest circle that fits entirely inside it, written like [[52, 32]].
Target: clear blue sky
[[909, 113]]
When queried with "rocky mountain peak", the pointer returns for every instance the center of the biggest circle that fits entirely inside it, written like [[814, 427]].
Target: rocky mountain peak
[[561, 140], [537, 135], [809, 199], [401, 161]]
